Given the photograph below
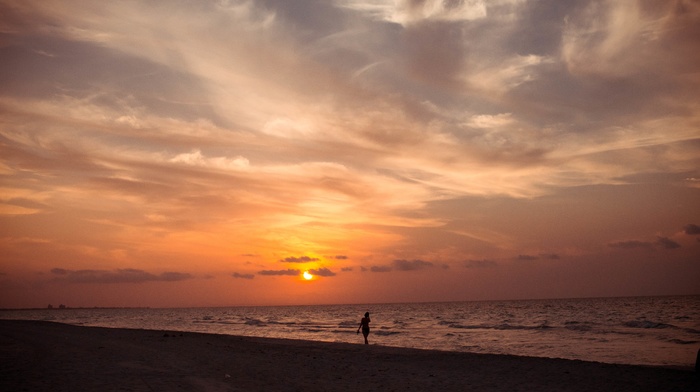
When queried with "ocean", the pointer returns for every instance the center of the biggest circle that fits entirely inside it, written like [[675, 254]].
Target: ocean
[[655, 331]]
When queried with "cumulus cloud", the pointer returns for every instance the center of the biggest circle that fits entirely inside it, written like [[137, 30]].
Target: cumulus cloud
[[691, 229], [411, 265], [127, 275], [322, 272], [667, 243], [341, 257], [287, 272], [242, 276], [301, 259]]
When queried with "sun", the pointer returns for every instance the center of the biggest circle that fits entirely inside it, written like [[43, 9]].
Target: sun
[[307, 275]]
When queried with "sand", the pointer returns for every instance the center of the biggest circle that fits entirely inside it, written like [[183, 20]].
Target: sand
[[45, 356]]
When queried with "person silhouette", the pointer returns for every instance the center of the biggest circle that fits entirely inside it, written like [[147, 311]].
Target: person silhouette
[[364, 324]]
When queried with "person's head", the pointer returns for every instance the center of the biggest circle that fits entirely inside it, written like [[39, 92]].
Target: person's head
[[366, 314]]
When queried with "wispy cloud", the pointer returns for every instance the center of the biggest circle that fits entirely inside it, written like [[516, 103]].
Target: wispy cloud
[[374, 132], [661, 242]]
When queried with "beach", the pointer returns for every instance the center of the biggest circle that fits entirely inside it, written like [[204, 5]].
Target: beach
[[46, 356]]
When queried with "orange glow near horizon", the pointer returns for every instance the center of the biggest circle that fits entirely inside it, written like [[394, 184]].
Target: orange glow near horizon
[[148, 159]]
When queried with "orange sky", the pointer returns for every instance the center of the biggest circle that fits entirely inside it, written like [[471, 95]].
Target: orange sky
[[207, 153]]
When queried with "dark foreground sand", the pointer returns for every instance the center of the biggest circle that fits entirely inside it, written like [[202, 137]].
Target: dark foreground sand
[[43, 356]]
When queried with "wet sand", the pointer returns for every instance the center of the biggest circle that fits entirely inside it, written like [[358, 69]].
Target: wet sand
[[44, 356]]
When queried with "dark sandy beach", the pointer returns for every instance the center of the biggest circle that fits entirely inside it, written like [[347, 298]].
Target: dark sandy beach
[[44, 356]]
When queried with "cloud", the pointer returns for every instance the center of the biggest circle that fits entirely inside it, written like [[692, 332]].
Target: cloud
[[409, 12], [403, 265], [661, 243], [612, 37], [287, 272], [346, 269], [491, 120], [117, 276], [667, 243], [195, 158], [527, 257], [691, 229], [547, 256], [322, 272], [343, 124], [242, 276], [631, 244], [412, 265], [380, 268], [301, 259], [480, 263]]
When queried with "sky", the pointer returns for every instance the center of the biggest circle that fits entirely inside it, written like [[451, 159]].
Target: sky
[[208, 153]]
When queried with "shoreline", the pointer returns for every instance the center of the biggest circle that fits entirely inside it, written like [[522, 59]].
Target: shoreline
[[42, 356]]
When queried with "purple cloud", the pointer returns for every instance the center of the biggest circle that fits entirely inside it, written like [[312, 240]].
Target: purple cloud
[[322, 272], [287, 272], [301, 259], [691, 229], [412, 265]]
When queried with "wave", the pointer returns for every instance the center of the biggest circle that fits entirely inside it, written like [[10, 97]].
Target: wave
[[282, 322], [255, 322], [646, 324], [211, 320], [386, 333], [578, 326], [679, 341], [501, 327]]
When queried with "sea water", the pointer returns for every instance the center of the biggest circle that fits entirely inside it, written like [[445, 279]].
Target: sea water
[[656, 331]]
